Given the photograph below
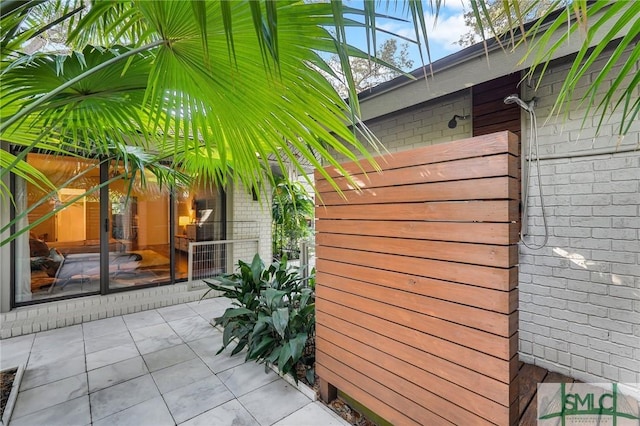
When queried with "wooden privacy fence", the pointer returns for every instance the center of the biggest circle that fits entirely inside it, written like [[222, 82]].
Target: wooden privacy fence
[[416, 309]]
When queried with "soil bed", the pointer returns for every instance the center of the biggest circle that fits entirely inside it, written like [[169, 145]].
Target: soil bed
[[6, 382]]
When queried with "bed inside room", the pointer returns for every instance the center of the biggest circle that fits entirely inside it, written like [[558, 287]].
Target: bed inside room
[[79, 236]]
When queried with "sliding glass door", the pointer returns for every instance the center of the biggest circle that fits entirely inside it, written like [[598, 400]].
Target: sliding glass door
[[60, 255], [125, 235], [139, 236], [200, 214]]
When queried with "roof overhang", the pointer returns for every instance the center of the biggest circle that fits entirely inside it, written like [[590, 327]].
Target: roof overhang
[[463, 69]]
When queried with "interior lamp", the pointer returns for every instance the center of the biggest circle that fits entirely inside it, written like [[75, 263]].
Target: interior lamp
[[183, 221]]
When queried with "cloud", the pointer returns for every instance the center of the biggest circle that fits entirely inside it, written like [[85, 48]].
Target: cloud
[[399, 28], [457, 5], [442, 33], [446, 31]]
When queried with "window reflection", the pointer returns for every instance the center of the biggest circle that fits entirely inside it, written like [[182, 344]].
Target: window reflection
[[45, 256], [200, 218], [61, 255], [139, 218]]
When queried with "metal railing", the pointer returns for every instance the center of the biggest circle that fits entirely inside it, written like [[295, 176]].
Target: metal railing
[[210, 259]]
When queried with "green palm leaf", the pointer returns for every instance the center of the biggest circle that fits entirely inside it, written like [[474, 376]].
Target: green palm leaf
[[596, 25], [192, 86]]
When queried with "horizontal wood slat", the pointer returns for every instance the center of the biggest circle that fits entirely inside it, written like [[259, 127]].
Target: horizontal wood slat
[[493, 389], [411, 392], [494, 107], [416, 282], [481, 189], [507, 113], [479, 340], [354, 383], [497, 143], [449, 395], [492, 124], [468, 316], [455, 211], [501, 86], [490, 366], [493, 300], [482, 276], [489, 129], [477, 254], [470, 168], [486, 233]]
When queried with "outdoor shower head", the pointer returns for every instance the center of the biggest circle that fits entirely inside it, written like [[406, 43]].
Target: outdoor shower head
[[453, 123], [515, 99]]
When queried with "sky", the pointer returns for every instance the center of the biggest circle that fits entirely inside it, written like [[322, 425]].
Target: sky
[[442, 33]]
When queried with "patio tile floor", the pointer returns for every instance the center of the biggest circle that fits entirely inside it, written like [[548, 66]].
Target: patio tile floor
[[155, 368]]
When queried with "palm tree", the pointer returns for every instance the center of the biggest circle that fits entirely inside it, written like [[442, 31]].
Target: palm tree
[[218, 88]]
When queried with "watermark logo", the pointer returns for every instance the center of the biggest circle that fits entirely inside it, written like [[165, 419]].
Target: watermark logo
[[603, 404]]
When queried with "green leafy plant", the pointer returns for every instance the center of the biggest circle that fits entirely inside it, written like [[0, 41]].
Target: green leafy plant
[[171, 79], [292, 211], [273, 315]]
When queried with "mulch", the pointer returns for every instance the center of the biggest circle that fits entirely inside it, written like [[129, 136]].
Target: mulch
[[6, 382], [338, 405], [349, 414]]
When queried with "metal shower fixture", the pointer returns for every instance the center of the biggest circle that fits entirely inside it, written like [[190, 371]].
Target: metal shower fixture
[[529, 107], [515, 99], [453, 123]]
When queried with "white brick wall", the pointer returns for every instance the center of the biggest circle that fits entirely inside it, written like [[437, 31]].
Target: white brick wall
[[425, 125], [250, 219], [580, 295]]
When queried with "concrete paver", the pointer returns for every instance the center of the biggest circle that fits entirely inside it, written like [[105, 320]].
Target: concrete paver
[[156, 367]]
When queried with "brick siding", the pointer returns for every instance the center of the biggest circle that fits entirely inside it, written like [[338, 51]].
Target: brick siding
[[250, 219], [580, 295]]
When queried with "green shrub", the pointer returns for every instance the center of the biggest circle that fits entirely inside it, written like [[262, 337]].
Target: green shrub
[[273, 314], [292, 210]]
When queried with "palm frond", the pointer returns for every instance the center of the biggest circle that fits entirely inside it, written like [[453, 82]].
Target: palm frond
[[600, 24], [110, 23]]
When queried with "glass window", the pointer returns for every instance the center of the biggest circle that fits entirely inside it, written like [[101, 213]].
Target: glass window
[[139, 234], [200, 217], [60, 255]]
